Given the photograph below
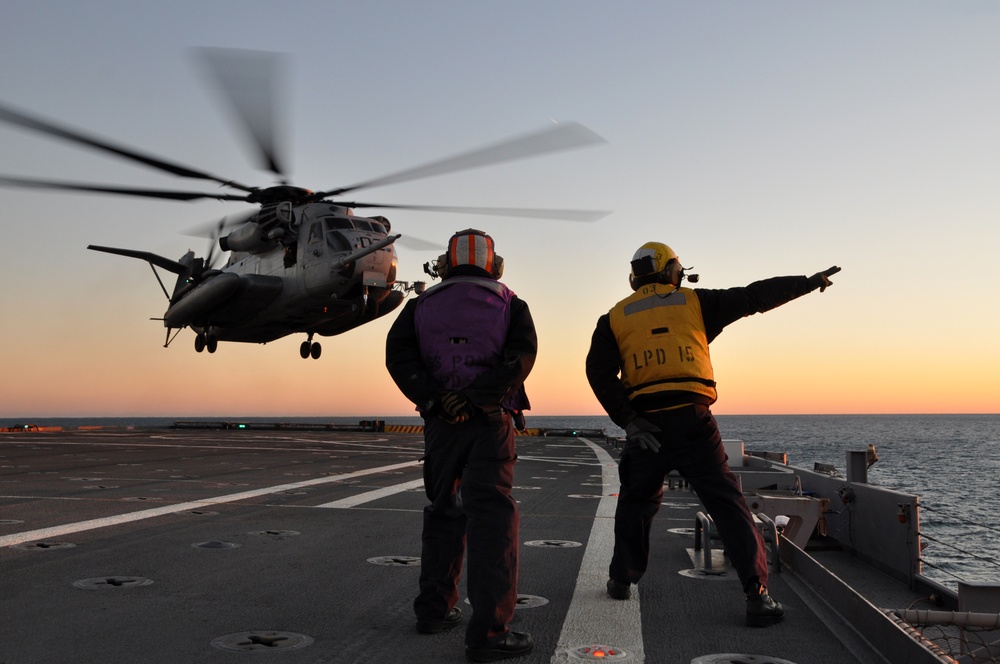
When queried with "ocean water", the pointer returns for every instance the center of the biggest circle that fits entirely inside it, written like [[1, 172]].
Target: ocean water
[[951, 461]]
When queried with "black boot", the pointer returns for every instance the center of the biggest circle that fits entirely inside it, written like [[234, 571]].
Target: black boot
[[761, 609], [511, 644], [450, 619], [619, 590]]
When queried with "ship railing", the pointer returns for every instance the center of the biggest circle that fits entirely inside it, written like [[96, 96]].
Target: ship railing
[[959, 636]]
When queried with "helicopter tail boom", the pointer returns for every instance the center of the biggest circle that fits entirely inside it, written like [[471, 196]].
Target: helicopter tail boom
[[153, 259]]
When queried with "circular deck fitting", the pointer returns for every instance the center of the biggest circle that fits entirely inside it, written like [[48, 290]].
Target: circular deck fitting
[[737, 658], [588, 495], [214, 544], [141, 498], [262, 641], [553, 544], [708, 576], [530, 602], [112, 582], [524, 601], [202, 512], [600, 653], [43, 546], [277, 533], [681, 531], [395, 561], [527, 488], [10, 522]]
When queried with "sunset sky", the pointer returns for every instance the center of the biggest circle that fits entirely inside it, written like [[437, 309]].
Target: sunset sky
[[755, 138]]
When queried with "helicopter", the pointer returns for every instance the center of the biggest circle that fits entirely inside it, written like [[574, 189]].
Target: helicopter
[[301, 261]]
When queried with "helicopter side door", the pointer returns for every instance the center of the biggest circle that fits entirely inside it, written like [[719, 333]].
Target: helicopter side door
[[321, 246]]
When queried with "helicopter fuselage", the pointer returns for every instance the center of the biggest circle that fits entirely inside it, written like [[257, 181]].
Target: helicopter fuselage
[[322, 270]]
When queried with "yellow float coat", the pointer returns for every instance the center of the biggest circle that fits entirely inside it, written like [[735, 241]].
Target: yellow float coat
[[663, 345]]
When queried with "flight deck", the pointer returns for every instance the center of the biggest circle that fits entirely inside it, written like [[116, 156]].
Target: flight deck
[[194, 545]]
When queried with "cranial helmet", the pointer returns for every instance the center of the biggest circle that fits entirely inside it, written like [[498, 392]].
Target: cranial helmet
[[473, 247], [649, 264]]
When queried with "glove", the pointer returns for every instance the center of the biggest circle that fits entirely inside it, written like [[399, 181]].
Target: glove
[[457, 406], [823, 278], [640, 433]]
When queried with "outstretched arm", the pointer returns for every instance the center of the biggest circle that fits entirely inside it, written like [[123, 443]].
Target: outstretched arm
[[720, 307]]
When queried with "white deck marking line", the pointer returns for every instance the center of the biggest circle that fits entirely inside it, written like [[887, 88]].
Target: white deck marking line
[[65, 529], [269, 448], [354, 501], [593, 617]]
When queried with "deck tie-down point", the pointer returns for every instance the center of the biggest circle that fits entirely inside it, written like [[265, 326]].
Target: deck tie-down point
[[262, 640], [555, 544], [43, 545], [395, 561], [214, 544], [524, 601], [736, 658], [112, 582]]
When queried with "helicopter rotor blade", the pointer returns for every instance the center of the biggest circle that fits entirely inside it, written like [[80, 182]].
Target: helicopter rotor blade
[[563, 136], [36, 124], [126, 191], [418, 244], [250, 82], [214, 229], [528, 213]]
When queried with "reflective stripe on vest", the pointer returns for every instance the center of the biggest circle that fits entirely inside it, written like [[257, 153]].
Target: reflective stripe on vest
[[662, 341]]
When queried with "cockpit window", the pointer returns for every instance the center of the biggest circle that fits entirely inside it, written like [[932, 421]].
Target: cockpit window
[[316, 233], [337, 222], [336, 241]]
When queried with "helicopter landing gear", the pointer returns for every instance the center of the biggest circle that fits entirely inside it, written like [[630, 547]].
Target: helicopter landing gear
[[205, 342], [309, 349]]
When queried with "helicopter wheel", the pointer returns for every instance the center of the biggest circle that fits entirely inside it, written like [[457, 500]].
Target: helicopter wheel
[[211, 344], [199, 343], [315, 351], [305, 349]]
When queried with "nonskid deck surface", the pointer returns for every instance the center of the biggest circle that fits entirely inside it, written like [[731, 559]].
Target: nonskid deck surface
[[231, 546]]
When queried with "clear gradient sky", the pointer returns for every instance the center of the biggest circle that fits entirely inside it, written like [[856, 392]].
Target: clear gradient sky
[[756, 138]]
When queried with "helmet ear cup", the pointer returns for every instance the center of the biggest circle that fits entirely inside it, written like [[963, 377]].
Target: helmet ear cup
[[497, 266], [442, 267], [643, 266], [643, 272], [650, 265]]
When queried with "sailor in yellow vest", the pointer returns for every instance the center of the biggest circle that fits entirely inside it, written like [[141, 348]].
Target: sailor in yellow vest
[[649, 367]]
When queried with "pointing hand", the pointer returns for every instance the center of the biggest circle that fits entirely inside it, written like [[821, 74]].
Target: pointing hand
[[823, 278]]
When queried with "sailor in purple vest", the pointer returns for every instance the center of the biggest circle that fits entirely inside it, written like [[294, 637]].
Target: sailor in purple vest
[[461, 352]]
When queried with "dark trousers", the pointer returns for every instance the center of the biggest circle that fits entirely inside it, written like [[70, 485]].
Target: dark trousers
[[468, 474], [692, 445]]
